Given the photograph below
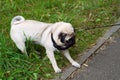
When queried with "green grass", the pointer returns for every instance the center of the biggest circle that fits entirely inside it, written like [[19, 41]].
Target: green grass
[[80, 13]]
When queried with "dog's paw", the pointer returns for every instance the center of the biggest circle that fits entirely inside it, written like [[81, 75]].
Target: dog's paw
[[58, 70], [75, 64]]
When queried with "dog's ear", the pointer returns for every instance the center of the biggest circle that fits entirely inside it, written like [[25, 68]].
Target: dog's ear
[[62, 37]]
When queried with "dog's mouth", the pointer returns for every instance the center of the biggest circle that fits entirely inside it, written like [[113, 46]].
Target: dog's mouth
[[70, 41], [67, 43]]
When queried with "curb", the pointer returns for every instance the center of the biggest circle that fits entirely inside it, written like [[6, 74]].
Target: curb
[[89, 52]]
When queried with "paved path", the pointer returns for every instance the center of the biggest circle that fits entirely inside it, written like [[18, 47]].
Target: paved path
[[105, 65]]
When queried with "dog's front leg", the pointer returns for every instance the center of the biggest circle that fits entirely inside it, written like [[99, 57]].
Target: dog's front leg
[[51, 57], [67, 55]]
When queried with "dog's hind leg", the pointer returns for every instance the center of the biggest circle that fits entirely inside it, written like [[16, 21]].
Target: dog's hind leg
[[20, 43], [21, 46]]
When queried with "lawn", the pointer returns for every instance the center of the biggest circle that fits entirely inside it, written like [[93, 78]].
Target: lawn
[[80, 13]]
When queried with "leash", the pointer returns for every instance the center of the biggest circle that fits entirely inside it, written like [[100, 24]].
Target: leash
[[88, 28]]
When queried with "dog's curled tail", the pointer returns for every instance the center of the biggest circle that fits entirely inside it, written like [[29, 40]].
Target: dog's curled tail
[[17, 20]]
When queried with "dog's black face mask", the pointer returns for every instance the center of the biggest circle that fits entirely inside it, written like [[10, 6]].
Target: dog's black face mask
[[67, 43]]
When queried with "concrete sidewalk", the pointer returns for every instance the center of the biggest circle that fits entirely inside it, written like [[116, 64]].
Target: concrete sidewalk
[[104, 65]]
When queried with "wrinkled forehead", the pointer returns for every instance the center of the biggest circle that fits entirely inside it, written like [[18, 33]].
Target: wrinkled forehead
[[68, 31], [67, 34]]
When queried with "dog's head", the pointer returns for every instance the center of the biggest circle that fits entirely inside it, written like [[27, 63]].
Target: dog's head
[[63, 35]]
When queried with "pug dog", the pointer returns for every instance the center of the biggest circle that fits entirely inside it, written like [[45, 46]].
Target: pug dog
[[53, 36]]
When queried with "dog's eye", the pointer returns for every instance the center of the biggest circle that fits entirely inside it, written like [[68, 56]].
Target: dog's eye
[[62, 37]]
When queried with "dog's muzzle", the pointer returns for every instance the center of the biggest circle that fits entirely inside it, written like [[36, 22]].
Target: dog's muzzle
[[67, 43], [70, 42]]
